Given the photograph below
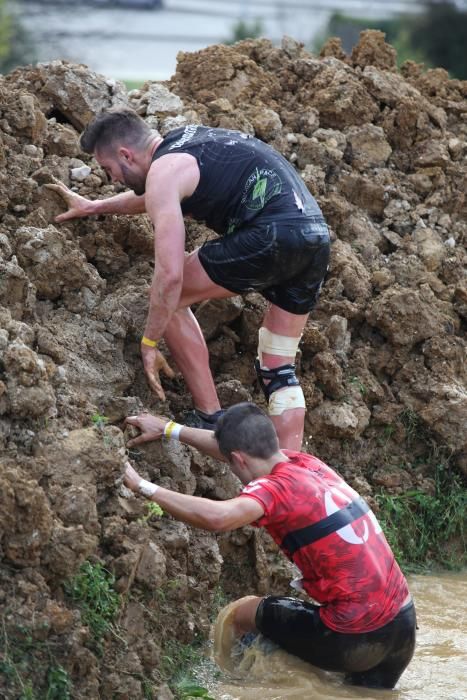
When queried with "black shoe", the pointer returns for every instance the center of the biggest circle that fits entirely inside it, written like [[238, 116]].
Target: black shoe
[[205, 421]]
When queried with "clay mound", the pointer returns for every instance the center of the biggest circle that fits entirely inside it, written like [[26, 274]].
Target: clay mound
[[385, 153]]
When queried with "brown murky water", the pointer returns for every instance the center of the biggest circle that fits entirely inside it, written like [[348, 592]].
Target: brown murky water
[[438, 670]]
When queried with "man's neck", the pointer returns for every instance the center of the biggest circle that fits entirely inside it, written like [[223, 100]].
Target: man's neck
[[261, 467], [155, 142]]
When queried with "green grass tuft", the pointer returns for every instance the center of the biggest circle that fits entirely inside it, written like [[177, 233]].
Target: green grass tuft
[[92, 590], [427, 531]]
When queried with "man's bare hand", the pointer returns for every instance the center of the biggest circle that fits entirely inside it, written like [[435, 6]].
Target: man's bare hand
[[77, 206], [151, 427], [155, 362], [131, 477]]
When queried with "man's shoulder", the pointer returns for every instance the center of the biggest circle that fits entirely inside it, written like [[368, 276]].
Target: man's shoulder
[[256, 484], [303, 459]]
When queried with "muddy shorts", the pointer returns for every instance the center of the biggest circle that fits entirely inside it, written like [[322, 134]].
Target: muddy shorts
[[285, 261], [373, 659]]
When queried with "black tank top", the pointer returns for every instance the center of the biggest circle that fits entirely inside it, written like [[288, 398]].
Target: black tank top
[[241, 178]]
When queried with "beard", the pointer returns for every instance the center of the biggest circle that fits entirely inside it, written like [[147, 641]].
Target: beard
[[135, 182]]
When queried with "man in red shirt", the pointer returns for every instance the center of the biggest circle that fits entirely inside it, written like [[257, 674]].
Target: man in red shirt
[[363, 623]]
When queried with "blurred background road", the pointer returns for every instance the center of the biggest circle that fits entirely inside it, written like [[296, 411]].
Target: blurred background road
[[135, 40]]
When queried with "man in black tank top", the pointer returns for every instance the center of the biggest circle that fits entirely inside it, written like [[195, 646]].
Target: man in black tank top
[[273, 240]]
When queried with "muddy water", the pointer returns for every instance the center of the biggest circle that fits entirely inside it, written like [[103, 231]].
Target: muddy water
[[438, 670]]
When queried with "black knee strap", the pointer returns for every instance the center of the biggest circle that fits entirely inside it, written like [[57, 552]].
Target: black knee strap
[[279, 377]]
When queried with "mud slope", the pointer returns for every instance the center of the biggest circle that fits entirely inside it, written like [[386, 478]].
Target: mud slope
[[383, 360]]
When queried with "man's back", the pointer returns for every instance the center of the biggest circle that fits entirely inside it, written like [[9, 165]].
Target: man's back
[[349, 568], [241, 178]]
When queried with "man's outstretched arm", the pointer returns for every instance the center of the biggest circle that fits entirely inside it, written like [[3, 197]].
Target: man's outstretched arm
[[78, 206], [217, 516], [152, 428], [170, 180]]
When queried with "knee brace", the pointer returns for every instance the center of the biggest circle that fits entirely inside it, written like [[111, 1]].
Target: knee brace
[[282, 377], [275, 344]]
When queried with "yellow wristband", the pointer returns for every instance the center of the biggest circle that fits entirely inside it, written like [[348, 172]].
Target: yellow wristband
[[172, 430], [149, 342]]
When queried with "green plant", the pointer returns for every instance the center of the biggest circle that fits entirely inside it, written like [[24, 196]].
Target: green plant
[[133, 84], [27, 692], [16, 44], [58, 684], [426, 530], [413, 426], [177, 658], [179, 666], [92, 590], [245, 30], [99, 420], [187, 690], [358, 384], [219, 601], [22, 655], [152, 510], [149, 691]]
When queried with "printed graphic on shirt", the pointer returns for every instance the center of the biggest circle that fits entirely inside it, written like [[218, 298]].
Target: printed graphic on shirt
[[260, 187], [188, 133], [232, 224], [348, 533]]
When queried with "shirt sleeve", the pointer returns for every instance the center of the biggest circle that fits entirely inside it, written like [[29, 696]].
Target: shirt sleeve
[[262, 490]]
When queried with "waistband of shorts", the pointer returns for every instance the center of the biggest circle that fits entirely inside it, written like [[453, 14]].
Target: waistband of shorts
[[407, 603], [314, 219], [288, 217]]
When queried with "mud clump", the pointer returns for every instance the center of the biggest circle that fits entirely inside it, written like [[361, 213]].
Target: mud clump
[[382, 363]]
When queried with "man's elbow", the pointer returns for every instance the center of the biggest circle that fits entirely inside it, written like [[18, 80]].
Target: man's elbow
[[219, 523], [168, 284]]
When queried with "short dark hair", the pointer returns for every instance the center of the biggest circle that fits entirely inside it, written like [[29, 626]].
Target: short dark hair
[[247, 428], [114, 127]]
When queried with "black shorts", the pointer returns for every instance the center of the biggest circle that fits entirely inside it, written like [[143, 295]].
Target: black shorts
[[285, 261], [373, 659]]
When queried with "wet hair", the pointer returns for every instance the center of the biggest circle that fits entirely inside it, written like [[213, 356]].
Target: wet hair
[[123, 127], [247, 428]]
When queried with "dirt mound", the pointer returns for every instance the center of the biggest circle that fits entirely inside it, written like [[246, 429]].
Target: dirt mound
[[382, 362]]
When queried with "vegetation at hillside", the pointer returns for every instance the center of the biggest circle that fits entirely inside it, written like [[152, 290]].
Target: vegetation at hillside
[[435, 37], [16, 47]]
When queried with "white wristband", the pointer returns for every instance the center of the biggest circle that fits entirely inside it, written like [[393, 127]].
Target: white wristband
[[172, 430], [146, 488]]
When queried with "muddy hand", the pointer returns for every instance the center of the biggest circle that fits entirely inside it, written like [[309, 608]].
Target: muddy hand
[[151, 427], [131, 478], [155, 362], [77, 206]]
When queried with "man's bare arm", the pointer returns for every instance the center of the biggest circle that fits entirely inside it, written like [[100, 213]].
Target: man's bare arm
[[217, 516], [78, 207], [171, 179], [152, 428]]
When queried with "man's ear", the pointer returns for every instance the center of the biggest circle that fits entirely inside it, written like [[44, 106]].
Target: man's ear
[[126, 154], [239, 458]]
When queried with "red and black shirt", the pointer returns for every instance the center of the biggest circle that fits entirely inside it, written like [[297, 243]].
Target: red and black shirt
[[350, 571]]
